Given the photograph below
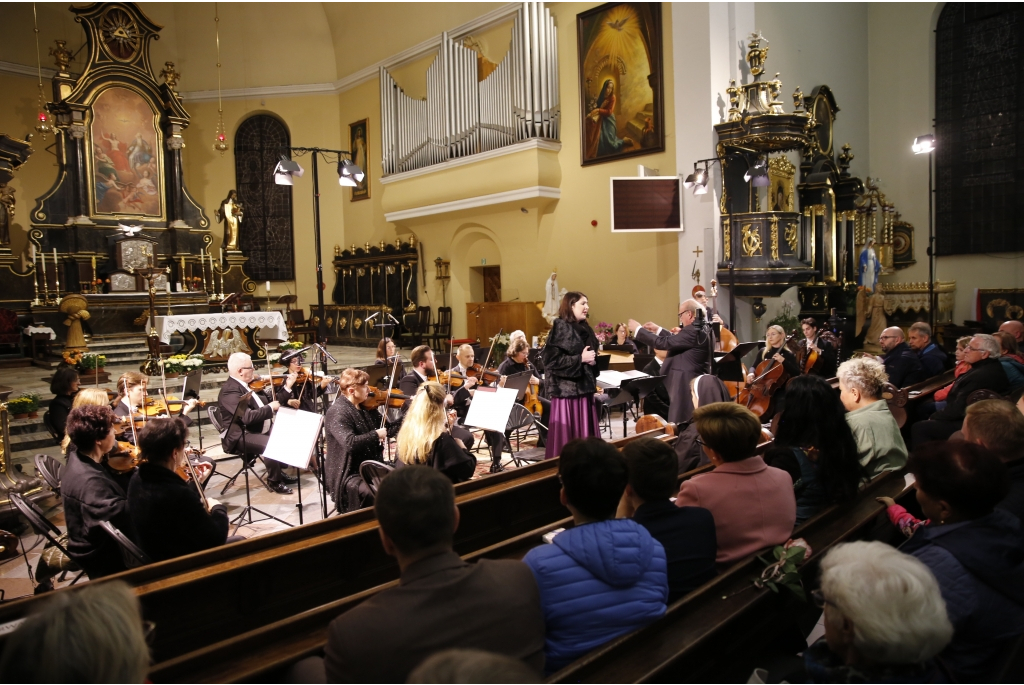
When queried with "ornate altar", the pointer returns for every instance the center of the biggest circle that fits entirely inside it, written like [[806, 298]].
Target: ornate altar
[[906, 303], [13, 154], [118, 145], [372, 280]]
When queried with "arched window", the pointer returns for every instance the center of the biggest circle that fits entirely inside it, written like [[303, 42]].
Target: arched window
[[979, 157], [266, 232]]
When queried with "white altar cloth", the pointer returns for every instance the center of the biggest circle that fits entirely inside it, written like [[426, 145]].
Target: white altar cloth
[[271, 324]]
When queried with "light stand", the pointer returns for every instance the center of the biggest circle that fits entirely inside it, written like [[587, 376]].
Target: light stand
[[926, 145]]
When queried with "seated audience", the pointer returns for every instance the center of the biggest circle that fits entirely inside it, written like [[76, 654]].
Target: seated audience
[[982, 353], [686, 533], [973, 548], [885, 619], [64, 387], [92, 635], [91, 495], [753, 504], [1009, 357], [998, 426], [704, 389], [353, 437], [901, 363], [425, 438], [472, 666], [959, 369], [169, 516], [815, 446], [875, 431], [440, 601], [1015, 328], [604, 577], [933, 359]]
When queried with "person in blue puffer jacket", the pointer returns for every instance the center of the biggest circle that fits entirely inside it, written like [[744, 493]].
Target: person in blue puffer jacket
[[604, 577]]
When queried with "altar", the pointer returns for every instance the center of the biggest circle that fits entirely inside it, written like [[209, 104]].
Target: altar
[[218, 336]]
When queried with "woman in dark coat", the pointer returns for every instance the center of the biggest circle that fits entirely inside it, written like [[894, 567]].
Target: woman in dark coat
[[64, 387], [570, 375], [352, 438]]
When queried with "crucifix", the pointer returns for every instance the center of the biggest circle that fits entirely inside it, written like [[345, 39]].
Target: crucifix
[[151, 365], [698, 251]]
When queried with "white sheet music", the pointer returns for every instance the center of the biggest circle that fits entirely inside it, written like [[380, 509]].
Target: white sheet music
[[613, 379], [293, 437], [491, 408]]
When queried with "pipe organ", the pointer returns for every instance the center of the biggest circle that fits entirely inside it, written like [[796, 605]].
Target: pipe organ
[[463, 115]]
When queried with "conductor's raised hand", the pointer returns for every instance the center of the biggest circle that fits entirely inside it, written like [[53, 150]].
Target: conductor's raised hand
[[633, 326], [589, 356], [652, 327]]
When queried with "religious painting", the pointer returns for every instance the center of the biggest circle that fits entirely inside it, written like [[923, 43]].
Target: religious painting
[[359, 143], [780, 184], [125, 155], [621, 81]]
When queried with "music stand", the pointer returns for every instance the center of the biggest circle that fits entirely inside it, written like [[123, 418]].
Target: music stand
[[233, 300], [287, 301], [728, 366], [243, 404], [604, 362], [519, 382], [190, 388]]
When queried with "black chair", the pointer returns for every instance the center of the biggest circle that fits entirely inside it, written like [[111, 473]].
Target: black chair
[[211, 411], [520, 423], [132, 553], [42, 526], [373, 472], [50, 469], [51, 429], [442, 329]]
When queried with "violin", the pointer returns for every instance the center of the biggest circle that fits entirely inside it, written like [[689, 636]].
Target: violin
[[124, 457], [377, 397], [261, 383], [483, 375], [759, 395]]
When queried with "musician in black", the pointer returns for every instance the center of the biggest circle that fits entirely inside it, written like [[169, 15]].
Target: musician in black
[[698, 294], [516, 361], [464, 396], [353, 436], [825, 364], [300, 394], [386, 352], [775, 349]]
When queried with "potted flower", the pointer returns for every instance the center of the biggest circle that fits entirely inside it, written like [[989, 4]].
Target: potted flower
[[604, 332], [33, 403], [181, 363], [19, 407], [501, 343], [92, 362]]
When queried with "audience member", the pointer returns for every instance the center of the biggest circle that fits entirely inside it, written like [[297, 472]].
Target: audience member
[[998, 426], [1015, 328], [604, 577], [90, 634], [885, 619], [752, 503], [686, 533], [814, 444], [901, 363], [986, 374], [974, 550], [933, 359], [440, 600], [1009, 357], [64, 387], [704, 389], [472, 666], [91, 495], [424, 438], [875, 431], [959, 369], [169, 516]]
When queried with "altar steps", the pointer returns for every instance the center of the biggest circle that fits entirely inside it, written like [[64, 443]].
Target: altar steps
[[120, 350]]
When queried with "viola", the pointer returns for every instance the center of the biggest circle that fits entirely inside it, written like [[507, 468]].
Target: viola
[[807, 357], [124, 457], [376, 397], [759, 395]]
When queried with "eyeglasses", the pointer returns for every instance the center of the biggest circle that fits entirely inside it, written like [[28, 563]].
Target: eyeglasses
[[888, 337], [698, 441], [973, 349], [819, 599]]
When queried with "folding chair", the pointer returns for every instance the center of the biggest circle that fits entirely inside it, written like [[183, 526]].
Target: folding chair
[[132, 553], [373, 472], [42, 526], [50, 469]]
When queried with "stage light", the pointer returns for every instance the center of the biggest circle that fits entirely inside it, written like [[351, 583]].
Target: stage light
[[285, 170], [757, 175], [923, 144], [350, 170]]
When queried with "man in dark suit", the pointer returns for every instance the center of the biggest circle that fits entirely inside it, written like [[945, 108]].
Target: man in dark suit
[[901, 362], [256, 419], [688, 356], [933, 360], [658, 401], [423, 366], [441, 601]]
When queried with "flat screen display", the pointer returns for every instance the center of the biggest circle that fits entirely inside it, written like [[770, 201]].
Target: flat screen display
[[646, 203]]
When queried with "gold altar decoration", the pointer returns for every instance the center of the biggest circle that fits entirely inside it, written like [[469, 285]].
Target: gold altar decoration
[[911, 299], [780, 184], [74, 305], [751, 241]]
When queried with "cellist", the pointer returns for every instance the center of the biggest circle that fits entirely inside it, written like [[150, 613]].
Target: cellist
[[817, 357], [774, 349]]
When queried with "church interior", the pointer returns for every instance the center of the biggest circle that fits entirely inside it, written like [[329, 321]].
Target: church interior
[[386, 198]]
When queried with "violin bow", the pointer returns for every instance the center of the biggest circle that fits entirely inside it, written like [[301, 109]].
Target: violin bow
[[130, 418], [273, 392], [488, 358], [195, 479], [391, 384], [163, 383], [447, 421], [451, 342]]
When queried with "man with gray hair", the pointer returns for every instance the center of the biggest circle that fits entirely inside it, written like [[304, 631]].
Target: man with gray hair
[[933, 360], [901, 363], [256, 420], [986, 373]]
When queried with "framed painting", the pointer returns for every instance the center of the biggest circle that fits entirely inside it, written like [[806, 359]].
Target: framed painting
[[621, 81], [359, 144], [125, 156]]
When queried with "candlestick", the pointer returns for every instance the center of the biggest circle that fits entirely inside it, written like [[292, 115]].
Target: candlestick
[[35, 279], [221, 258], [46, 280], [93, 284]]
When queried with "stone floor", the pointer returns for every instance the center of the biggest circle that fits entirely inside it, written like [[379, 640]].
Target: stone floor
[[15, 579]]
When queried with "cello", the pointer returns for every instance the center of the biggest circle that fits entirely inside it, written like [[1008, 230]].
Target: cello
[[727, 342], [759, 395]]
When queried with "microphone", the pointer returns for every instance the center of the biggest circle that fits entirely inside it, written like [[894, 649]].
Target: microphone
[[325, 352]]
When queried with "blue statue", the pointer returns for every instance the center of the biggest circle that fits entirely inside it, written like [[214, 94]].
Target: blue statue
[[867, 273]]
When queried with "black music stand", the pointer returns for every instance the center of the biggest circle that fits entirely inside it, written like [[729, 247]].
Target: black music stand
[[377, 372], [243, 404], [631, 391], [728, 366], [519, 382], [190, 391]]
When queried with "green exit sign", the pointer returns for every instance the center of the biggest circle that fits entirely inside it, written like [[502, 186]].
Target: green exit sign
[[483, 261]]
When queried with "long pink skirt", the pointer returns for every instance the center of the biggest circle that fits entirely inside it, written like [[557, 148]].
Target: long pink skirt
[[571, 418]]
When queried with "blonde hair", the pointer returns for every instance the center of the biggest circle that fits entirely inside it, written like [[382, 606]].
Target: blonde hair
[[424, 422], [86, 397], [777, 328], [865, 374]]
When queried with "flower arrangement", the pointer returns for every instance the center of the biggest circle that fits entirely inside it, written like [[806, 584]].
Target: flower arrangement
[[182, 363], [501, 343], [604, 332], [293, 345], [84, 361], [25, 404], [783, 571]]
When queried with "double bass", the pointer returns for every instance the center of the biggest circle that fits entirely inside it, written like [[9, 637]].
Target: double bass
[[727, 342], [759, 395]]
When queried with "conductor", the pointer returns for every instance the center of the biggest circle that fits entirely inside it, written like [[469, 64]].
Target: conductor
[[688, 356]]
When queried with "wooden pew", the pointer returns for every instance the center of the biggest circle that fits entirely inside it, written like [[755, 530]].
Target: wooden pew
[[906, 398], [205, 597]]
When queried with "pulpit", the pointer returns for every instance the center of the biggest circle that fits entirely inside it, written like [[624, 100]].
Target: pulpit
[[485, 319]]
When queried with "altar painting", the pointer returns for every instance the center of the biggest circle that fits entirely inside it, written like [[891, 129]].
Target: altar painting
[[126, 176]]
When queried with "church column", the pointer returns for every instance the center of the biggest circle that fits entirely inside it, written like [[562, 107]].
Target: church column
[[175, 193], [75, 142]]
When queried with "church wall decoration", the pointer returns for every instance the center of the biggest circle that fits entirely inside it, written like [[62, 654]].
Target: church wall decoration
[[359, 144], [621, 81]]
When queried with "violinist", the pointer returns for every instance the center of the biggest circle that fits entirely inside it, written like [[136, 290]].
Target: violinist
[[86, 397], [464, 396], [824, 363], [386, 351], [353, 436], [91, 495], [132, 388], [423, 368], [516, 361], [171, 518], [425, 438], [257, 420], [296, 391]]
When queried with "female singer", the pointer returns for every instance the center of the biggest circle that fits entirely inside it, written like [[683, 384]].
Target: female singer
[[425, 438], [64, 386], [352, 438], [621, 338], [570, 376], [386, 351]]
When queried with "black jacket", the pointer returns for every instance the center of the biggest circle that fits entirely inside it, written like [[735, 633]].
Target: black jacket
[[230, 393], [688, 357], [169, 517], [688, 536], [60, 407], [658, 401], [986, 374], [825, 366], [1014, 501], [903, 366], [90, 496], [351, 440], [447, 457], [710, 389], [933, 360], [565, 375]]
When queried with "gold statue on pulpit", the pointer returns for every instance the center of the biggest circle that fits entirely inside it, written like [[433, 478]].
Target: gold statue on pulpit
[[230, 213]]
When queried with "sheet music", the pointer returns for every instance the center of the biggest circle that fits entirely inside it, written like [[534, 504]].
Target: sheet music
[[491, 408], [614, 379], [293, 437]]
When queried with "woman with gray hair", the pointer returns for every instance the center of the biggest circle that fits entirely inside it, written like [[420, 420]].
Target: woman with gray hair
[[884, 615], [879, 443]]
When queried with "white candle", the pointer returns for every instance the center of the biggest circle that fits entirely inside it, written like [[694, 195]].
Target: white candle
[[268, 287], [221, 256], [168, 286]]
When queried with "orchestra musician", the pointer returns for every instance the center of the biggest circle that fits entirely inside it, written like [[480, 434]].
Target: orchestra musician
[[775, 348], [257, 420], [700, 295], [423, 367], [621, 338], [570, 375], [132, 391], [353, 436], [825, 365], [300, 395], [425, 437], [516, 361], [386, 351], [171, 519], [64, 387], [464, 396], [688, 356]]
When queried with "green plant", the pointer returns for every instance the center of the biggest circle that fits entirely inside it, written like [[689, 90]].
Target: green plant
[[19, 405], [783, 571], [501, 343], [293, 345], [91, 361], [33, 400], [182, 363], [786, 317]]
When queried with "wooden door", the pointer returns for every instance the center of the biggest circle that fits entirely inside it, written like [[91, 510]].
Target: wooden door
[[492, 283]]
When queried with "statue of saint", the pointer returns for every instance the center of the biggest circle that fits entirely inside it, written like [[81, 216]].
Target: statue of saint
[[869, 267], [230, 212], [6, 213], [552, 298]]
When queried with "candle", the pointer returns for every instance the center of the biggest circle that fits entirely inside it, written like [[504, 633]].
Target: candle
[[56, 274], [221, 256], [94, 268], [268, 287]]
